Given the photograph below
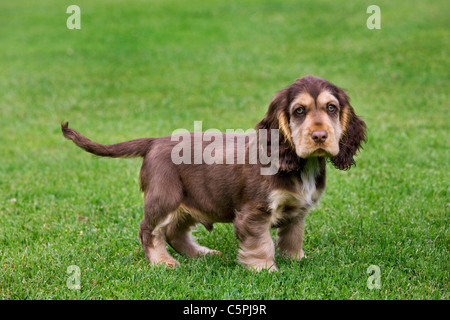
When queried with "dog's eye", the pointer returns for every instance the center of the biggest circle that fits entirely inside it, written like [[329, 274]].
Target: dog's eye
[[300, 110], [331, 108]]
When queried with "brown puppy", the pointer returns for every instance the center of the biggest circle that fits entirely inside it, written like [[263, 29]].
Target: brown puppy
[[313, 120]]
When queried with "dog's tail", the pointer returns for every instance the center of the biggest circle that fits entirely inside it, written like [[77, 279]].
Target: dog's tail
[[127, 149]]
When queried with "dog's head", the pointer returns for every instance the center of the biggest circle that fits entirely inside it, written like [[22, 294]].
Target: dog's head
[[315, 119]]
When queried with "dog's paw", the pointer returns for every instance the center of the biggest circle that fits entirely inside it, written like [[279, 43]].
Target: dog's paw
[[295, 255], [213, 252], [169, 263], [270, 267], [172, 263], [203, 251]]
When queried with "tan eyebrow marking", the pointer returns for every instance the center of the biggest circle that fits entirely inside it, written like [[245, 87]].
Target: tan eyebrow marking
[[303, 99], [326, 97]]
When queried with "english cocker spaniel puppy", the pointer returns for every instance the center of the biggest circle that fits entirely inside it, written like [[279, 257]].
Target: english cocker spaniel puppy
[[309, 121]]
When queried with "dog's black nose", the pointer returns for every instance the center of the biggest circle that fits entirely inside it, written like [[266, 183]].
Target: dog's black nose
[[319, 136]]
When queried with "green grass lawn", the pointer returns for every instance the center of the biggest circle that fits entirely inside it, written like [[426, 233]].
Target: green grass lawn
[[144, 68]]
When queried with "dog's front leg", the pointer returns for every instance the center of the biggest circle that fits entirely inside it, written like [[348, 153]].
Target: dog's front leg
[[290, 239], [252, 227]]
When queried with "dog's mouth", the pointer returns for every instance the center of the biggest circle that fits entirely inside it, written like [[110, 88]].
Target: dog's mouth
[[320, 153], [327, 150], [317, 152]]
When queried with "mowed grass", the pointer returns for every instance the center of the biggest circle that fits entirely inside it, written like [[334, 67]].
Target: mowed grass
[[145, 68]]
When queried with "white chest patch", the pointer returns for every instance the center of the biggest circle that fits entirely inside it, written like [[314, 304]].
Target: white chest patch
[[289, 204]]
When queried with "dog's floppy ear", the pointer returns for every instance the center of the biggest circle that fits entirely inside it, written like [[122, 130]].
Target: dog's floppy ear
[[353, 134], [270, 120], [278, 118]]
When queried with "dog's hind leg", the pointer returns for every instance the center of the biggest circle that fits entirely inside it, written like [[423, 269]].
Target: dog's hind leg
[[154, 242], [163, 192], [179, 237], [160, 209]]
